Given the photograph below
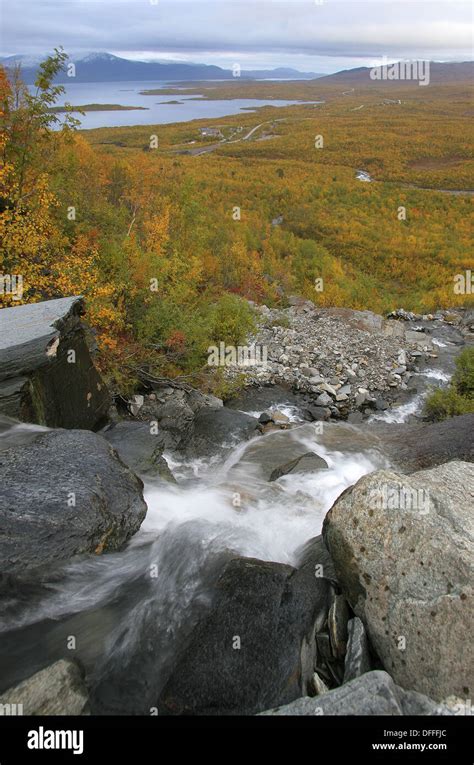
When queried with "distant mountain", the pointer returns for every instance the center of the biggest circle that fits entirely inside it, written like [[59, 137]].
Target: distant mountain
[[281, 73], [104, 67], [438, 73]]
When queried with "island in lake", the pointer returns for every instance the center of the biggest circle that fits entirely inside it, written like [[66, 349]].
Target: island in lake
[[98, 108]]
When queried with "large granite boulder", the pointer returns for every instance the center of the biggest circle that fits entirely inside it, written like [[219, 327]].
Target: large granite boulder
[[64, 494], [256, 647], [403, 550], [56, 690], [46, 371], [374, 693]]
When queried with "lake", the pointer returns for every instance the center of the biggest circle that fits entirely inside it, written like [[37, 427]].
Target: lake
[[128, 94]]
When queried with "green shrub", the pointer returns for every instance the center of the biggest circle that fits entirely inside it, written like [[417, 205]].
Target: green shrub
[[447, 403], [232, 321], [463, 377], [458, 397]]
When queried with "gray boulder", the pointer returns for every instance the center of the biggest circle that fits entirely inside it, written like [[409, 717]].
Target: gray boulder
[[307, 463], [140, 448], [276, 455], [174, 417], [318, 413], [46, 372], [374, 693], [64, 494], [56, 690], [423, 445], [403, 549], [315, 555], [216, 427], [256, 647]]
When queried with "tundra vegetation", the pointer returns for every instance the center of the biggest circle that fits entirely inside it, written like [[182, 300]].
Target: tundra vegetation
[[145, 227]]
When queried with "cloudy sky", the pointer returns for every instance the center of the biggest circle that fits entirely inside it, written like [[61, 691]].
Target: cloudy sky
[[312, 35]]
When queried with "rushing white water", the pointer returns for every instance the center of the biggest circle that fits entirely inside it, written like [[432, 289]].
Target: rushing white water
[[131, 611], [289, 410], [401, 413], [273, 520], [436, 374]]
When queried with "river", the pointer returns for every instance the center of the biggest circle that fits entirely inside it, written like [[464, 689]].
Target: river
[[129, 613]]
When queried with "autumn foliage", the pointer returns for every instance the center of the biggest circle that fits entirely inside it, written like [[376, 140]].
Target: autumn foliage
[[151, 238]]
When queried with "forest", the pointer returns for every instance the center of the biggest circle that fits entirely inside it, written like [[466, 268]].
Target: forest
[[168, 234]]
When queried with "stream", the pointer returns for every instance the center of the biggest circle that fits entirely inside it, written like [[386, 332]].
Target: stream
[[126, 615], [365, 177]]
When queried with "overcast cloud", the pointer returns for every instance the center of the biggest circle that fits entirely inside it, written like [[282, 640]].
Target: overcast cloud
[[262, 33]]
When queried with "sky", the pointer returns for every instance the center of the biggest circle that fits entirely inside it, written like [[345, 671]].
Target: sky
[[310, 35]]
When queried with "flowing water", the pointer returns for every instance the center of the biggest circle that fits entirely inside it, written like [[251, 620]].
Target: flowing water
[[130, 612], [126, 615]]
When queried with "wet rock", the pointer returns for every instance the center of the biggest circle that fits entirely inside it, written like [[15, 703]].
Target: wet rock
[[318, 413], [129, 675], [279, 418], [355, 418], [415, 446], [307, 463], [56, 690], [269, 427], [314, 555], [64, 494], [140, 448], [403, 551], [337, 623], [46, 372], [256, 648], [276, 455], [374, 693], [214, 428], [357, 660]]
